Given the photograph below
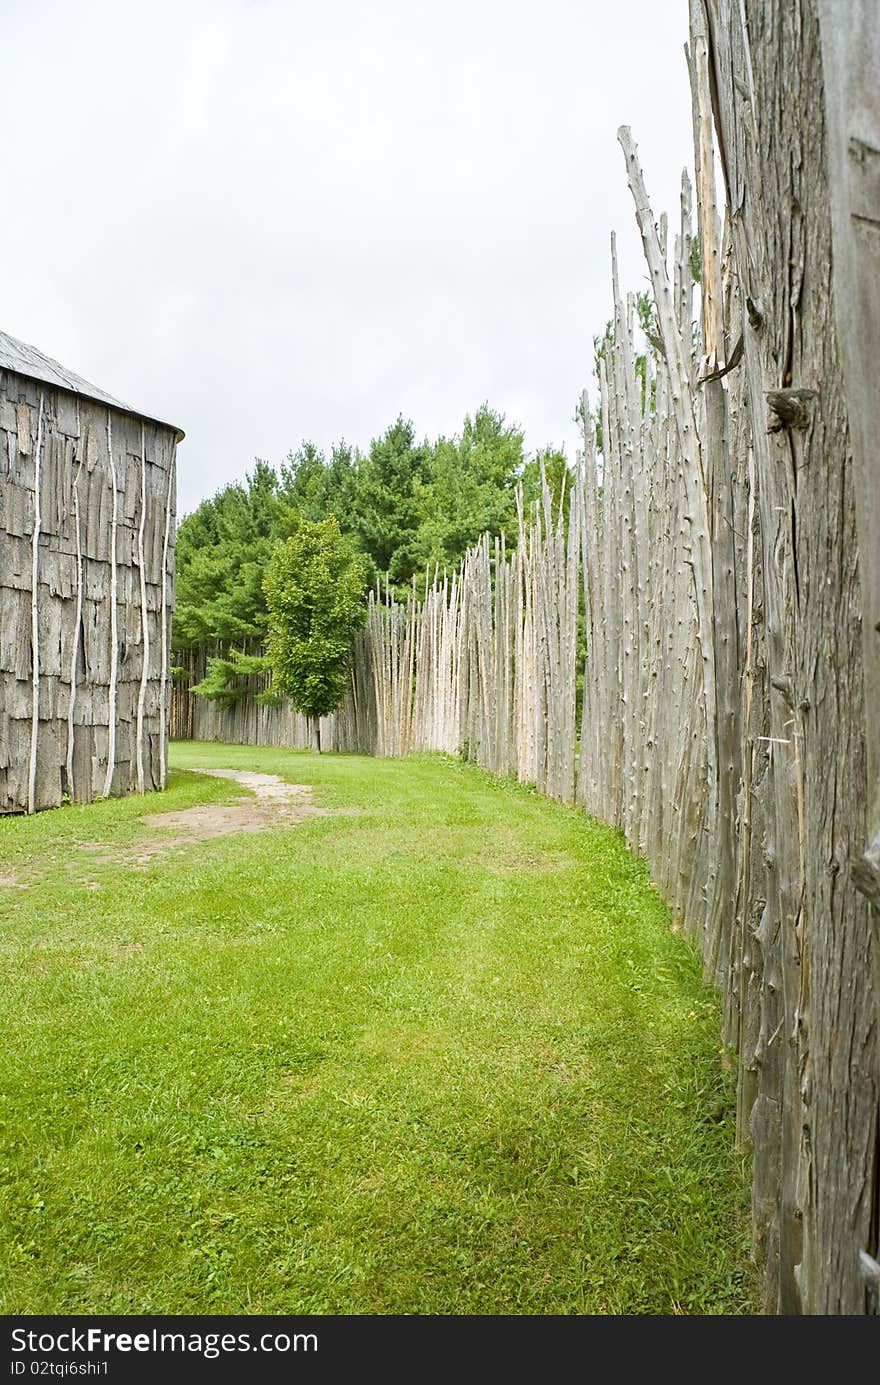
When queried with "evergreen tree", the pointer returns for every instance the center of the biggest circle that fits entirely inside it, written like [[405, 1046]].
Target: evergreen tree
[[470, 489], [385, 503], [222, 551]]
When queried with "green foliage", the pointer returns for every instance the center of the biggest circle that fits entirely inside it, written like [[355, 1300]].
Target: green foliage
[[647, 317], [221, 553], [228, 676], [405, 506], [314, 585], [470, 489], [646, 313], [315, 488], [385, 514], [696, 260]]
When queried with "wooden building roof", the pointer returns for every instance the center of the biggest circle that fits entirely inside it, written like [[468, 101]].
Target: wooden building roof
[[27, 360]]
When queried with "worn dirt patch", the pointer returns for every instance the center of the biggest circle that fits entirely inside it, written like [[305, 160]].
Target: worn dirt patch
[[265, 786], [10, 882], [274, 802]]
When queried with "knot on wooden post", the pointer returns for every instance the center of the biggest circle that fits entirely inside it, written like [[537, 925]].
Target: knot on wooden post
[[783, 684], [790, 408], [865, 871], [755, 312]]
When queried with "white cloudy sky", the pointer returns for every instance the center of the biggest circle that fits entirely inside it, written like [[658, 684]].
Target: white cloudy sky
[[269, 220]]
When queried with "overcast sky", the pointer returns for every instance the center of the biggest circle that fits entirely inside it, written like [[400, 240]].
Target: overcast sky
[[269, 220]]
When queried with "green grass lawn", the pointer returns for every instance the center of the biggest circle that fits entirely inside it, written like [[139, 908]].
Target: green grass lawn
[[441, 1055]]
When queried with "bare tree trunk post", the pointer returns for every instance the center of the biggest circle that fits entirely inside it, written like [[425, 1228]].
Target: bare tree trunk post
[[849, 32], [774, 83]]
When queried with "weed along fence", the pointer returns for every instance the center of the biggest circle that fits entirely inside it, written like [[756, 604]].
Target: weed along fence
[[712, 548], [86, 569]]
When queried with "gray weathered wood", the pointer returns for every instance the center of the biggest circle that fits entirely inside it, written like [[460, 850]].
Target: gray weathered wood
[[63, 672]]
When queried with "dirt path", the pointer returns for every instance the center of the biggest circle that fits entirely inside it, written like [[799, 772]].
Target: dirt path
[[274, 802], [266, 786], [270, 802]]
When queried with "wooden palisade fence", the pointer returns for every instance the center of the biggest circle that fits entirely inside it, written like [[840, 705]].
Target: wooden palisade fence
[[724, 547], [485, 666]]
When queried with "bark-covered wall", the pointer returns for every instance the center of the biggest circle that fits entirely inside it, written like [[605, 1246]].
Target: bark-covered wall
[[819, 1126], [87, 504]]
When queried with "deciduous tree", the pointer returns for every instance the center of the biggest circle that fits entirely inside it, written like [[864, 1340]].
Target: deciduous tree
[[314, 586]]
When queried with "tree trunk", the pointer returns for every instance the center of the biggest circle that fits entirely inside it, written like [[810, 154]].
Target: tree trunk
[[850, 37]]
